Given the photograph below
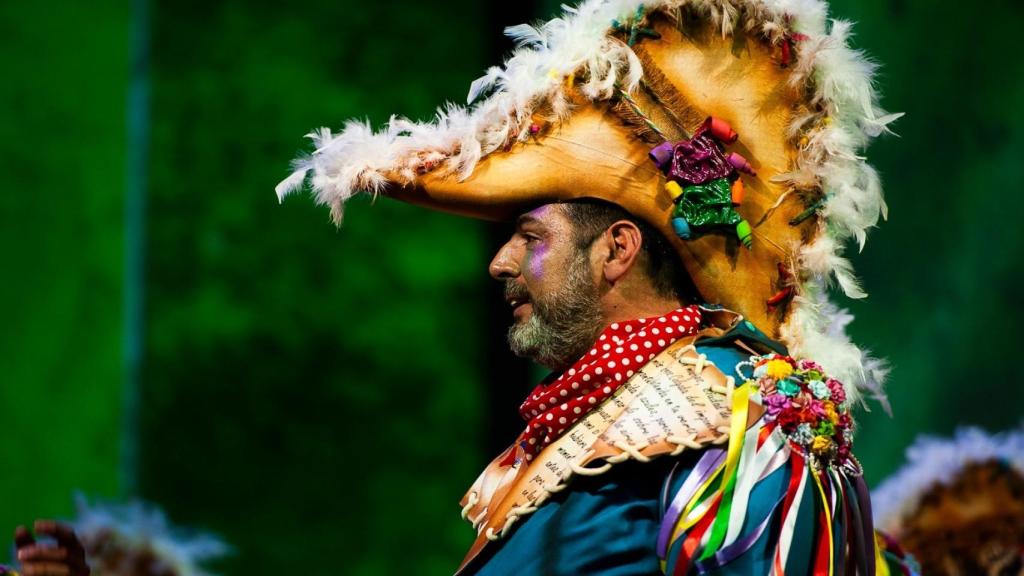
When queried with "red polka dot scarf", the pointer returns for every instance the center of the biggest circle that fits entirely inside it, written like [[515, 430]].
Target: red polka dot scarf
[[621, 349]]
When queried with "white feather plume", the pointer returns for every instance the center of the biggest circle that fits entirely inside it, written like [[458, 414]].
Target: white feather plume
[[817, 329]]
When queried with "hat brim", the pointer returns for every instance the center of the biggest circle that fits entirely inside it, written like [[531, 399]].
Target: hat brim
[[596, 154]]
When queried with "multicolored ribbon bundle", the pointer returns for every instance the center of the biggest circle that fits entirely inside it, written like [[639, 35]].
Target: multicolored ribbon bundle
[[804, 434]]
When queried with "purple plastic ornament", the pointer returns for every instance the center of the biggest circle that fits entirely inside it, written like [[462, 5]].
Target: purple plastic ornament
[[698, 160], [661, 155], [740, 163]]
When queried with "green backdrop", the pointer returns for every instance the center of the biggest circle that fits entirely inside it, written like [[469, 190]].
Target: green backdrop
[[318, 396]]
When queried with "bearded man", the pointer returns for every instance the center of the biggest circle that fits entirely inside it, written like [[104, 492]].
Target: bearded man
[[595, 291], [571, 269], [673, 435]]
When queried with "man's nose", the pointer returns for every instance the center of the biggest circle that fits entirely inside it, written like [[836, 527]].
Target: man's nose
[[504, 265]]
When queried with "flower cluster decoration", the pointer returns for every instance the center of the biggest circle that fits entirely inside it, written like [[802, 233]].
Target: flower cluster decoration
[[810, 407]]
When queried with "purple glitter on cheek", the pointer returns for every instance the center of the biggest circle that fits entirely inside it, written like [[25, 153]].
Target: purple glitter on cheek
[[537, 258]]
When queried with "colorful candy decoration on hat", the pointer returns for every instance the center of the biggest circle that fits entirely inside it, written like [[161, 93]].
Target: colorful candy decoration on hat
[[808, 406], [704, 181]]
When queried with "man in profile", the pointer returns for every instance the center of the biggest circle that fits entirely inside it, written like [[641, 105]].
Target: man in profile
[[683, 177]]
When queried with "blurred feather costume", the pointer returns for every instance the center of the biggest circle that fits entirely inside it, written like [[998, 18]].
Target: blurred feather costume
[[137, 540], [957, 504], [737, 129]]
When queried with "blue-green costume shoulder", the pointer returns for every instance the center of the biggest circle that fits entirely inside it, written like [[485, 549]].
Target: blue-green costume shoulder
[[609, 524], [778, 511]]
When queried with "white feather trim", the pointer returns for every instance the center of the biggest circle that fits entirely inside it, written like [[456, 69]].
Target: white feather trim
[[817, 329], [932, 461]]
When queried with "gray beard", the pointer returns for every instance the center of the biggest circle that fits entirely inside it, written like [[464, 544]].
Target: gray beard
[[564, 324]]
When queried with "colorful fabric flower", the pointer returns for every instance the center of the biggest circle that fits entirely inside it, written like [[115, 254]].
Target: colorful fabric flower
[[789, 420], [788, 387], [803, 435], [826, 428], [809, 365], [808, 406], [778, 369], [830, 412], [817, 408], [821, 445], [845, 421], [775, 404], [835, 387], [819, 389]]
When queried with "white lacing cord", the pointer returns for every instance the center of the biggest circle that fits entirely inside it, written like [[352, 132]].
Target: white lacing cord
[[470, 502], [584, 471], [699, 364], [479, 518], [516, 511], [730, 385], [682, 443], [630, 452]]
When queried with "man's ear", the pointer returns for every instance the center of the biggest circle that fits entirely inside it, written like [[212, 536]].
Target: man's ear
[[623, 240]]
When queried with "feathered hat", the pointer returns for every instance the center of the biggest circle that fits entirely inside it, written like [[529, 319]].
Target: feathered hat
[[736, 127]]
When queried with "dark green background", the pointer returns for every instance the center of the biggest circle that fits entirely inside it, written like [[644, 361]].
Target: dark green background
[[319, 397]]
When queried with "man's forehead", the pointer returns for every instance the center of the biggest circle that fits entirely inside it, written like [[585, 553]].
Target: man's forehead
[[547, 214]]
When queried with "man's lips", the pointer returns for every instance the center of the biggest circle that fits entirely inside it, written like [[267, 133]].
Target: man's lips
[[520, 305], [521, 309], [517, 301]]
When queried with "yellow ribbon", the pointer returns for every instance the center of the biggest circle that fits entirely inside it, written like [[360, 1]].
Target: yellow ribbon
[[881, 566], [828, 522], [738, 426]]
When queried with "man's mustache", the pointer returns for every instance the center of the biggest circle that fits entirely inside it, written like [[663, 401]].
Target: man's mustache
[[515, 291]]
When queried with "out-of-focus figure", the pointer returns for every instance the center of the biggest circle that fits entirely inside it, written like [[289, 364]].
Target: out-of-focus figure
[[132, 539], [137, 540], [957, 505]]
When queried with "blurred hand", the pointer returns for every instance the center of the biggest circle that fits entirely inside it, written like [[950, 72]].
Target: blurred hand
[[65, 558]]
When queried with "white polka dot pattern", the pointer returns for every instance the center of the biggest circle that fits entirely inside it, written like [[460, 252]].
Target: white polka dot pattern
[[598, 374]]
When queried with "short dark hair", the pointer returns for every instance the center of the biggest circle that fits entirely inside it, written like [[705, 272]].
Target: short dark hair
[[591, 217]]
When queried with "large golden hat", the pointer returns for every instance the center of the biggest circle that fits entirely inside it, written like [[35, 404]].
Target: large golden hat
[[605, 101]]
